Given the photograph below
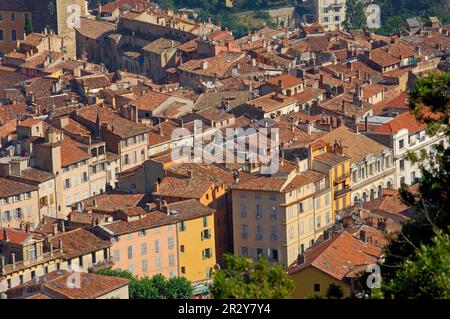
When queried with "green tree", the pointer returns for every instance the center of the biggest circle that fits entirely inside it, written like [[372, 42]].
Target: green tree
[[354, 15], [425, 275], [28, 26], [335, 291], [429, 102], [241, 278], [156, 287]]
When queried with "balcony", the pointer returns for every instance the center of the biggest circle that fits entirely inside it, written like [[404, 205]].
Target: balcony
[[104, 264], [341, 178], [20, 265], [342, 192]]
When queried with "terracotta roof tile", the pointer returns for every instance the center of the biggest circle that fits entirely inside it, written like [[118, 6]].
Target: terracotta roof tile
[[183, 187], [79, 242], [403, 121]]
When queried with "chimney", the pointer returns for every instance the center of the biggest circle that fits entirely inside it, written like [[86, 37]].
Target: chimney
[[50, 247], [27, 228], [55, 229], [157, 183], [148, 207], [191, 173], [60, 244], [321, 81], [13, 260], [63, 227], [2, 264], [163, 205], [301, 259], [236, 177], [5, 235], [204, 65], [95, 202], [362, 235], [280, 83]]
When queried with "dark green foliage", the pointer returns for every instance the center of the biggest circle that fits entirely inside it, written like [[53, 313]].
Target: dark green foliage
[[28, 26], [156, 287], [335, 292], [414, 250], [241, 278], [394, 13], [354, 15]]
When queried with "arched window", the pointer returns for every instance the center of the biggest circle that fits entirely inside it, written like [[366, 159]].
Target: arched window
[[372, 194], [380, 191], [356, 200], [364, 197], [389, 184]]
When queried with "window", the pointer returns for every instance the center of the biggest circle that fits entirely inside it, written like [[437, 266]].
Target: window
[[402, 181], [1, 16], [182, 248], [259, 252], [2, 35], [274, 235], [259, 232], [258, 212], [13, 35], [130, 252], [170, 242], [327, 199], [301, 227], [116, 254], [21, 279], [67, 183], [337, 18], [402, 164], [205, 221], [183, 270], [131, 268], [143, 248], [273, 213], [413, 177], [144, 265], [157, 246], [13, 16], [401, 144], [274, 255], [207, 253], [378, 166], [182, 226], [301, 209], [244, 231], [244, 251], [206, 234], [243, 211], [141, 233], [80, 261], [18, 213], [291, 232], [372, 194], [171, 260], [318, 203], [317, 287], [318, 221], [130, 236], [328, 217]]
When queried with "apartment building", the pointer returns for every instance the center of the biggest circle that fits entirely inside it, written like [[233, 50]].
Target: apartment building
[[371, 166], [193, 182], [45, 182], [196, 239], [330, 14], [18, 203], [279, 217], [405, 134], [143, 242], [25, 255], [13, 15], [126, 138]]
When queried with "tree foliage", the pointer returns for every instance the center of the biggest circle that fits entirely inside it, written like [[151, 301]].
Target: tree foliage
[[156, 287], [394, 13], [335, 291], [241, 278], [419, 240], [28, 26], [354, 15]]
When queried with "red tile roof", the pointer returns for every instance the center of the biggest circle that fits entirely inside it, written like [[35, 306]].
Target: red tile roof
[[79, 242], [15, 236], [286, 81], [403, 121], [339, 256], [183, 187]]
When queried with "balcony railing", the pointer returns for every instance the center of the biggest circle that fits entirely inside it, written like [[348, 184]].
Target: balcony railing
[[103, 264], [342, 192]]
